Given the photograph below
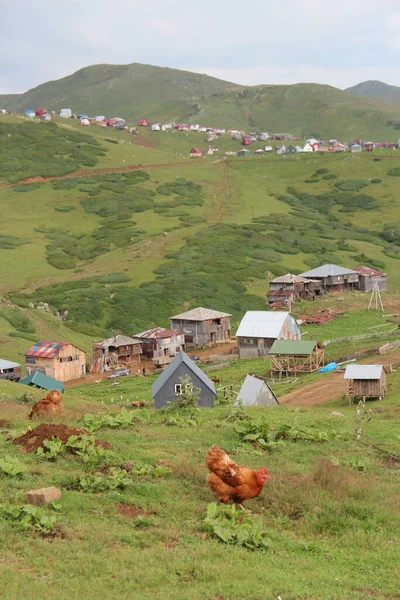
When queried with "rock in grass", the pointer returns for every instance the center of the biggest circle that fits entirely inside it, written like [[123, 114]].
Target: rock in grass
[[336, 414], [43, 496]]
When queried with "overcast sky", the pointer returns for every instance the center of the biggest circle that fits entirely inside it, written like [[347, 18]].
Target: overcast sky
[[338, 42]]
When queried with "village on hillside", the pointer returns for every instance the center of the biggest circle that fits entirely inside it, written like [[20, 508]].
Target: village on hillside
[[273, 334], [282, 143]]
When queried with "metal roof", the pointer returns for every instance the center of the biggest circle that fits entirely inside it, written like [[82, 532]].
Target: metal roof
[[6, 364], [280, 293], [328, 270], [252, 388], [158, 333], [290, 278], [118, 340], [262, 324], [368, 271], [180, 358], [43, 381], [201, 314], [46, 349], [300, 347], [363, 372]]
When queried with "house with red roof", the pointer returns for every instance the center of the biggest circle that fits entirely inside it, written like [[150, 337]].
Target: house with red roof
[[61, 360], [143, 122], [195, 153], [369, 277]]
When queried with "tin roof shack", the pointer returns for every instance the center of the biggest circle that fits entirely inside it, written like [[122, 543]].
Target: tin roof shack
[[365, 381], [203, 326], [290, 288], [259, 329], [255, 391], [10, 370], [299, 356], [161, 345], [61, 360], [42, 381], [334, 278], [168, 387], [369, 277], [117, 350]]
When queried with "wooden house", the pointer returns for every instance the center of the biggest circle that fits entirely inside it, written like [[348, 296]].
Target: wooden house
[[114, 351], [370, 277], [289, 288], [143, 122], [334, 278], [291, 149], [243, 152], [296, 356], [10, 370], [61, 360], [161, 345], [203, 326], [365, 381], [168, 387], [195, 153], [258, 330], [246, 140], [255, 391]]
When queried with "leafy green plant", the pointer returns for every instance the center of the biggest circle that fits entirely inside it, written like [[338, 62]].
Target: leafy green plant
[[84, 447], [52, 449], [234, 526], [181, 412], [12, 467], [114, 479], [125, 418], [28, 517]]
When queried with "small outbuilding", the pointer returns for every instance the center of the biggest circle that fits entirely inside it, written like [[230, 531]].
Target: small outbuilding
[[42, 381], [255, 391], [243, 152], [365, 381], [168, 387], [369, 278], [10, 370], [195, 153], [143, 122], [296, 356]]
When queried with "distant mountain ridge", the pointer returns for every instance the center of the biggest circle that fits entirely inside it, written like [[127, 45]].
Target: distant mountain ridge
[[378, 90], [163, 94]]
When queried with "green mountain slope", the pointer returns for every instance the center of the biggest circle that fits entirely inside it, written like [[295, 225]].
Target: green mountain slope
[[130, 90], [377, 89], [7, 99]]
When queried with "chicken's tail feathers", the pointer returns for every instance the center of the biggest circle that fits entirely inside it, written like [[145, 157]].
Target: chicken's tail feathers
[[217, 458]]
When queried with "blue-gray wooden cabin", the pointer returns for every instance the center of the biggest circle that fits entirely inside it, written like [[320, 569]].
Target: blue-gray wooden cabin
[[168, 385]]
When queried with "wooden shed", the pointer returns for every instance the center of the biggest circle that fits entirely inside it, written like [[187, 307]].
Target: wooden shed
[[366, 381], [203, 326], [61, 360], [168, 386], [10, 370], [296, 356]]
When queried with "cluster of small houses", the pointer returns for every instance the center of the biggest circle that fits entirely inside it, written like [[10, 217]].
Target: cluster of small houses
[[275, 334]]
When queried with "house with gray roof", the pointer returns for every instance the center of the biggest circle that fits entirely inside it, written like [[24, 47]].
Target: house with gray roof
[[255, 391], [168, 386], [203, 326], [10, 370], [334, 278], [259, 329]]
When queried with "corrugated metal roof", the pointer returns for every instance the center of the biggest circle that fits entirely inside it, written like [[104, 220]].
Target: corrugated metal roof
[[118, 340], [262, 324], [46, 349], [181, 357], [201, 314], [158, 333], [43, 381], [6, 364], [328, 270], [368, 271], [300, 347], [280, 293], [290, 278], [251, 389], [363, 372]]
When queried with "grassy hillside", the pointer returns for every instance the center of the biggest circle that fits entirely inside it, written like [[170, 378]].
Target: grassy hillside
[[140, 532], [377, 90], [132, 91], [163, 94]]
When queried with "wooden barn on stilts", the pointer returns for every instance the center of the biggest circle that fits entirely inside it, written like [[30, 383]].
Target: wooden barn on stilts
[[296, 356]]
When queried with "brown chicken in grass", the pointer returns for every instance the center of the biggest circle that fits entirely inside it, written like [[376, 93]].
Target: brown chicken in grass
[[50, 406], [230, 482]]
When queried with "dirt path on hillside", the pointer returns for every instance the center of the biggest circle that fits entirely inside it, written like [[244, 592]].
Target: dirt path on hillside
[[329, 386], [106, 170]]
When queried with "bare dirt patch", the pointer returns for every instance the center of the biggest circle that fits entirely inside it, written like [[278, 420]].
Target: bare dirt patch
[[33, 439], [4, 423], [130, 511]]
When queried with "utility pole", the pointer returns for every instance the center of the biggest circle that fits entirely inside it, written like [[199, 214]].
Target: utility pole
[[377, 295]]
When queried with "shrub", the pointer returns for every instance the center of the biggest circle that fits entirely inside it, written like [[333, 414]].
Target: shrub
[[27, 187], [395, 172], [10, 242], [65, 208], [376, 180], [321, 171], [329, 176], [352, 185], [17, 319], [314, 180], [60, 260]]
